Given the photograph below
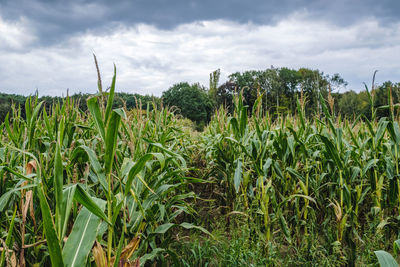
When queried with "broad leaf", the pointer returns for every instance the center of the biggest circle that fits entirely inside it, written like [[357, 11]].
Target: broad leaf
[[82, 236]]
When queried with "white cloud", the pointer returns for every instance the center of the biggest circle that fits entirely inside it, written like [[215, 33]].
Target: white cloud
[[16, 35], [149, 60]]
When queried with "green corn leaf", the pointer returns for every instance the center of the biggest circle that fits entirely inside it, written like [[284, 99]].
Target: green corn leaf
[[267, 165], [370, 127], [6, 196], [86, 200], [297, 196], [121, 112], [162, 229], [110, 99], [296, 174], [237, 179], [169, 152], [9, 238], [243, 120], [10, 133], [277, 169], [94, 109], [151, 255], [116, 211], [35, 113], [138, 167], [119, 250], [355, 172], [32, 122], [20, 175], [53, 242], [368, 166], [95, 164], [385, 259], [58, 189], [235, 125], [111, 141], [284, 227], [28, 111], [161, 158], [396, 246], [191, 226], [68, 199], [331, 150], [300, 114], [396, 130], [82, 236], [381, 130], [47, 124]]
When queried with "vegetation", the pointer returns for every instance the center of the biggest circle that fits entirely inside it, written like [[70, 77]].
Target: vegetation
[[102, 186], [385, 259], [128, 101], [191, 101], [280, 87], [109, 183]]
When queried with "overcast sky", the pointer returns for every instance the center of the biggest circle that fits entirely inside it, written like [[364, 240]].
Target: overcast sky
[[48, 45]]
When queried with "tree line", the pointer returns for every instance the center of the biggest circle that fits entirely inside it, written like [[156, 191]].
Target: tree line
[[130, 101], [280, 89]]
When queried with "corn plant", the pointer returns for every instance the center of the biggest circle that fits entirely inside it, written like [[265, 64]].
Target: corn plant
[[292, 172], [102, 187]]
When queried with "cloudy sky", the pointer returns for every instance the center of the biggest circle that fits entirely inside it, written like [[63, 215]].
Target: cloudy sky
[[47, 45]]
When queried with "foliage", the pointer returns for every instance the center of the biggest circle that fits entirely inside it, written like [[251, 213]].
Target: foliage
[[128, 101], [281, 87], [191, 101], [293, 175], [105, 185], [108, 185], [386, 259]]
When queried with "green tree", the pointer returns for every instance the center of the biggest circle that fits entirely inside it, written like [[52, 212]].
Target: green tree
[[249, 83], [191, 101], [214, 80], [224, 95], [348, 104], [313, 83]]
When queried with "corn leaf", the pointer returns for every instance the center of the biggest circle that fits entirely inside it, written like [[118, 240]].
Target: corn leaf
[[82, 236], [385, 259], [86, 200], [111, 141], [237, 179], [94, 109], [53, 242]]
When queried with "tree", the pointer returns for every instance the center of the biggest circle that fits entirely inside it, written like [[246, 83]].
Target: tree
[[214, 80], [313, 83], [337, 82], [290, 80], [224, 95], [191, 101], [248, 83]]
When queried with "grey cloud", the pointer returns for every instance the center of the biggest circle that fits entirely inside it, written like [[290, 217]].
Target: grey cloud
[[150, 59], [56, 20], [48, 44]]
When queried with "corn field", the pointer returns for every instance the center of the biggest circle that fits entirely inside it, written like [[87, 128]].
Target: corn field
[[118, 187]]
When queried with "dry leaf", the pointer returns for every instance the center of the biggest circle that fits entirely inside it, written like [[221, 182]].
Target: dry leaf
[[127, 253], [30, 166], [99, 255], [25, 206], [13, 260]]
